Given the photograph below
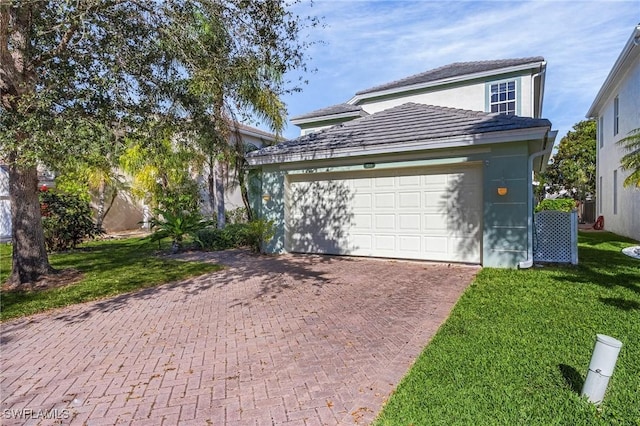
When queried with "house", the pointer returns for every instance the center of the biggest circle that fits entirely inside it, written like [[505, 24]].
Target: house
[[45, 178], [616, 109], [127, 213], [5, 205], [436, 166]]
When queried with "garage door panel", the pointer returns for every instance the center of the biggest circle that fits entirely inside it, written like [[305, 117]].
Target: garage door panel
[[409, 181], [436, 181], [435, 224], [385, 200], [362, 201], [385, 221], [435, 201], [409, 222], [363, 243], [410, 243], [436, 244], [425, 213], [384, 182], [385, 243], [362, 222], [362, 183], [409, 200]]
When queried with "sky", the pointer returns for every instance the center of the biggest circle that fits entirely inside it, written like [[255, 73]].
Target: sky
[[367, 43]]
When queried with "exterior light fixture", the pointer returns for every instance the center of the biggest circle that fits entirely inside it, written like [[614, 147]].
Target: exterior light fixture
[[502, 188], [266, 197], [369, 165]]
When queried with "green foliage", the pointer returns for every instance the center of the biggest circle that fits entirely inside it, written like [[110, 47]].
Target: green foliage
[[78, 78], [67, 220], [109, 268], [160, 170], [573, 167], [237, 215], [631, 160], [516, 348], [252, 234], [559, 204], [176, 226]]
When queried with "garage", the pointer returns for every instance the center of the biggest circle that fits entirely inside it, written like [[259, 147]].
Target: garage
[[428, 213], [410, 182]]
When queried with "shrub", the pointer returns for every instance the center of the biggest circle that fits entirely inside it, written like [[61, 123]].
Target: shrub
[[559, 204], [235, 235], [176, 226], [66, 220], [259, 231], [237, 215]]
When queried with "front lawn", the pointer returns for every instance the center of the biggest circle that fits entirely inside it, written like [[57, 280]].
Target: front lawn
[[110, 267], [517, 346]]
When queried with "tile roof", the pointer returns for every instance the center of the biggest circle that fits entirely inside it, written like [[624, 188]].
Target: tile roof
[[457, 69], [331, 110], [409, 122]]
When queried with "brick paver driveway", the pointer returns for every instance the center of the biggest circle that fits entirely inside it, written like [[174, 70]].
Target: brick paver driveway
[[304, 340]]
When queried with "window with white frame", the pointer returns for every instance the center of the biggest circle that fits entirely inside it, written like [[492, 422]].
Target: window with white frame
[[601, 131], [615, 192], [616, 113], [503, 97], [600, 196]]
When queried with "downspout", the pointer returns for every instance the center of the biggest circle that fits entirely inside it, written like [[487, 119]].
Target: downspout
[[547, 147], [539, 75]]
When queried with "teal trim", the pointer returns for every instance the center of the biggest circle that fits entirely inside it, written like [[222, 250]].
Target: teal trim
[[382, 166]]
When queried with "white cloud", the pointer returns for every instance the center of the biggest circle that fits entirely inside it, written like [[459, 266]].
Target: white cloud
[[372, 42]]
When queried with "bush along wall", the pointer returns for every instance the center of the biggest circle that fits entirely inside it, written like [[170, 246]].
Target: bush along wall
[[559, 204], [66, 220]]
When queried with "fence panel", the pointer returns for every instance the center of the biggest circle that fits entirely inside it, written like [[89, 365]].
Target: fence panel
[[556, 237]]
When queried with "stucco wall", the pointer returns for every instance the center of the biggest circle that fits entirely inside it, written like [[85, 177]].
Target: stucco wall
[[504, 217], [126, 214], [468, 95], [626, 221]]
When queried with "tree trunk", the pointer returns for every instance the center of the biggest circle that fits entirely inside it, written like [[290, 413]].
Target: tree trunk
[[219, 184], [244, 192], [211, 186], [30, 260], [101, 201]]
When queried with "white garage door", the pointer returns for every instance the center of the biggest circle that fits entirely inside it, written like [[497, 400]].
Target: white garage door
[[414, 213]]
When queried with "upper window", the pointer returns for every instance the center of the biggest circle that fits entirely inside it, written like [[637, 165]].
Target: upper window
[[601, 131], [616, 113], [503, 97]]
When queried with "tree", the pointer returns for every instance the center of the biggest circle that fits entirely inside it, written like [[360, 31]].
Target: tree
[[631, 160], [68, 69], [573, 167]]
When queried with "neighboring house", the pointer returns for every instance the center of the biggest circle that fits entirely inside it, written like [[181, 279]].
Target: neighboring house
[[128, 213], [436, 166], [5, 205], [45, 178], [616, 109]]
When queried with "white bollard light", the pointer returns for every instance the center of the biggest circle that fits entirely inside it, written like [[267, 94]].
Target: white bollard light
[[603, 360]]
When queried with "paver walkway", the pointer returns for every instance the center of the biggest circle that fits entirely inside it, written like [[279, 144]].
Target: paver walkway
[[300, 340]]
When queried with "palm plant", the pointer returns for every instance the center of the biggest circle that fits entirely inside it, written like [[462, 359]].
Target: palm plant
[[177, 226], [631, 160]]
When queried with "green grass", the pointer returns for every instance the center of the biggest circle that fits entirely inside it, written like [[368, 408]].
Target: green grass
[[110, 268], [517, 346]]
